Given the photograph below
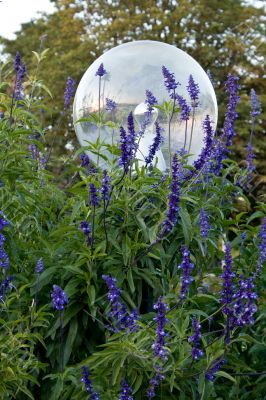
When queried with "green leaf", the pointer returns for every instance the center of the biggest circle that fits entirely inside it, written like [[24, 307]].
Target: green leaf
[[72, 333], [130, 280], [226, 375]]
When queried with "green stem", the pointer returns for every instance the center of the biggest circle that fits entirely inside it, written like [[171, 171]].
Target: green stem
[[192, 127], [169, 130]]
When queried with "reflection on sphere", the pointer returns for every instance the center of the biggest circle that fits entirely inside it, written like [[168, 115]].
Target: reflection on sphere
[[132, 68]]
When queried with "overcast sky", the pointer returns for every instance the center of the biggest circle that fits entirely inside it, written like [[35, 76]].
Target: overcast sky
[[15, 12]]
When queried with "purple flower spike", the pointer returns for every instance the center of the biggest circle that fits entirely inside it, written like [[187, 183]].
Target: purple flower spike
[[126, 391], [4, 286], [86, 380], [150, 101], [39, 266], [4, 260], [18, 94], [3, 221], [59, 298], [86, 229], [127, 144], [255, 104], [208, 145], [131, 146], [186, 267], [195, 340], [105, 189], [88, 385], [217, 364], [231, 87], [17, 62], [174, 199], [169, 81], [94, 198], [85, 160], [110, 105], [244, 308], [123, 160], [193, 90], [69, 92], [122, 319], [101, 71], [227, 277], [153, 384], [157, 142], [185, 109], [204, 224], [158, 346]]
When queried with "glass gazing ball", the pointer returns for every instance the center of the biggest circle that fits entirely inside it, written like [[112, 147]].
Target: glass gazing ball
[[132, 68]]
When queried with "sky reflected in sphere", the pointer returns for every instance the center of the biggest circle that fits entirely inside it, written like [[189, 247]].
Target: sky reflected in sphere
[[132, 68]]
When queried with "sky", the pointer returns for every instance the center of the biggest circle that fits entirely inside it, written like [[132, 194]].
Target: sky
[[15, 12]]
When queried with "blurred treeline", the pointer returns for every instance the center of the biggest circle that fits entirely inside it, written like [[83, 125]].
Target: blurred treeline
[[225, 36]]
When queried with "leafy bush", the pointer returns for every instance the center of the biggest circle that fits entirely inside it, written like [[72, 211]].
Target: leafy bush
[[178, 254]]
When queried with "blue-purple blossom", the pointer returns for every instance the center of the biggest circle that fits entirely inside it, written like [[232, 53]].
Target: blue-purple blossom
[[255, 104], [88, 385], [185, 109], [4, 286], [244, 307], [157, 142], [39, 266], [231, 88], [174, 199], [105, 188], [110, 105], [131, 136], [84, 160], [59, 298], [17, 62], [94, 198], [125, 392], [169, 81], [4, 259], [69, 92], [18, 95], [159, 346], [123, 160], [193, 91], [194, 339], [127, 144], [121, 317], [3, 221], [204, 223], [150, 101], [101, 71], [186, 267], [208, 143], [153, 384], [227, 277], [214, 367], [86, 229]]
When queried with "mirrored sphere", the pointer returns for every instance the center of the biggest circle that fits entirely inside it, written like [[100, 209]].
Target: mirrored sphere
[[132, 68]]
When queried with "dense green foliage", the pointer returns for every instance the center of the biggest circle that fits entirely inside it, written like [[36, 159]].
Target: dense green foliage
[[44, 222]]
